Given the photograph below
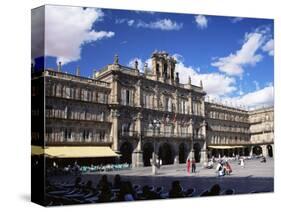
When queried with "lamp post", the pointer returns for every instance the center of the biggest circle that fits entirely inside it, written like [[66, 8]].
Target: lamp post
[[154, 125]]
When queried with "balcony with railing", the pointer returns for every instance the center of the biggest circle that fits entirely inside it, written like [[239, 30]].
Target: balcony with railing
[[72, 77], [53, 139], [128, 134], [160, 134], [230, 129]]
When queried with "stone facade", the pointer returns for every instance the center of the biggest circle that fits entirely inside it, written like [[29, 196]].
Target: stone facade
[[138, 113], [233, 131]]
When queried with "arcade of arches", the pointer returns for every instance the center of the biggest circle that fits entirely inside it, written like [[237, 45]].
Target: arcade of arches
[[170, 153], [167, 152], [265, 150]]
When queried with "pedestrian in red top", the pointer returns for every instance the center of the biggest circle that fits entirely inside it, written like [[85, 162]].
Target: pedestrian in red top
[[188, 165]]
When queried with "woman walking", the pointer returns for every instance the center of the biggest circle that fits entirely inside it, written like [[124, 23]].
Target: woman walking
[[188, 165]]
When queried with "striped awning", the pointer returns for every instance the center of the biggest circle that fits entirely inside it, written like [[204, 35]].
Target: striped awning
[[225, 147], [74, 151]]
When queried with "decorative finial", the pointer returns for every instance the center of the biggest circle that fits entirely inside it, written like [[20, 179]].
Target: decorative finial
[[78, 71], [59, 66], [177, 77], [136, 64], [201, 84], [116, 59], [189, 80], [145, 68], [93, 73]]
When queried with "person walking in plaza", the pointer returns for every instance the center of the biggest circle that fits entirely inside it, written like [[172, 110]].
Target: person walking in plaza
[[228, 168], [188, 165], [193, 165], [242, 163]]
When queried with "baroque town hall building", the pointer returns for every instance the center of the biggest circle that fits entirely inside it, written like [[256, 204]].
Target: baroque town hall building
[[123, 112]]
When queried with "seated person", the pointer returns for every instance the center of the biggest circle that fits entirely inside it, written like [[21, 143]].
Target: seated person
[[263, 159], [210, 164], [221, 171]]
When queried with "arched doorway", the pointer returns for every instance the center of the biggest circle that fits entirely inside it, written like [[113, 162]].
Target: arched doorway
[[126, 150], [230, 152], [236, 151], [182, 153], [197, 152], [147, 154], [240, 151], [257, 150], [246, 152], [214, 152], [269, 151], [166, 154]]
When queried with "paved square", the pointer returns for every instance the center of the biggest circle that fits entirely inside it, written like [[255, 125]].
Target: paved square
[[255, 177]]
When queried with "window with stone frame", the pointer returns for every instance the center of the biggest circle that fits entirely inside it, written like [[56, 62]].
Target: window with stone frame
[[127, 97], [58, 90]]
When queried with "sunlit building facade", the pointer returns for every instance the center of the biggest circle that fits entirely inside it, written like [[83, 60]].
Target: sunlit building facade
[[135, 113]]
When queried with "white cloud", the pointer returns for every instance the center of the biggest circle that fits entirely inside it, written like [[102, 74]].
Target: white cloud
[[234, 64], [256, 99], [202, 21], [141, 63], [220, 86], [236, 19], [163, 24], [131, 22], [269, 47], [215, 84], [68, 28]]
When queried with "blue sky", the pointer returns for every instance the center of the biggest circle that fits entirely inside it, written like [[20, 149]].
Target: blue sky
[[232, 56]]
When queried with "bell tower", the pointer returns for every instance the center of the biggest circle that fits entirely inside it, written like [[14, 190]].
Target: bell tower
[[163, 67]]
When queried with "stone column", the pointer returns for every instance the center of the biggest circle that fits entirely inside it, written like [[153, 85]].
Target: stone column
[[138, 98], [204, 152], [190, 132], [264, 150], [156, 97], [202, 112], [137, 156], [251, 151], [176, 151], [114, 130], [161, 68], [115, 96], [190, 104], [176, 97]]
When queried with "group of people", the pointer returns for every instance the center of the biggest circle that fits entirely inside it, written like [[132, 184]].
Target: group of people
[[223, 168], [263, 159], [127, 192], [191, 163]]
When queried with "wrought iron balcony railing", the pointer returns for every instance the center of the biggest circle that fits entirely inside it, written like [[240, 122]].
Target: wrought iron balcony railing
[[172, 135], [128, 134]]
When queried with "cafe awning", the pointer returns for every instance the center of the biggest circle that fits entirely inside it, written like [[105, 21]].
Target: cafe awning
[[224, 147], [74, 151]]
